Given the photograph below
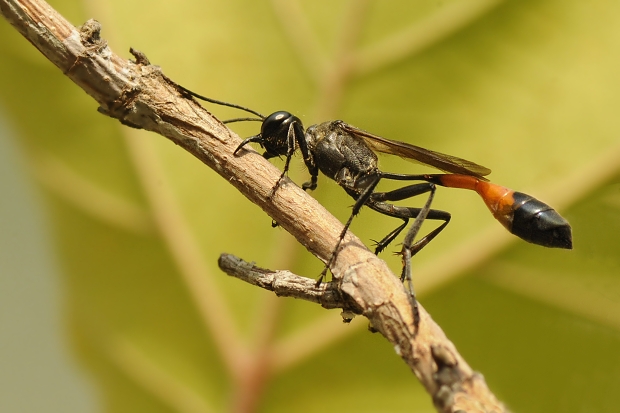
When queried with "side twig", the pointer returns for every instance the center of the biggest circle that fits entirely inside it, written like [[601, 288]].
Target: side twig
[[139, 95]]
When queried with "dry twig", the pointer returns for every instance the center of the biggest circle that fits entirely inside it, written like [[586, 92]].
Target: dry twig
[[139, 95]]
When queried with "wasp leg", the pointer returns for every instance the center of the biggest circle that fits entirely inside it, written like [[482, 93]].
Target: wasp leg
[[404, 213], [359, 202], [410, 249]]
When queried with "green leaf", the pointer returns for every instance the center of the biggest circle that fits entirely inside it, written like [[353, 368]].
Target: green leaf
[[527, 88]]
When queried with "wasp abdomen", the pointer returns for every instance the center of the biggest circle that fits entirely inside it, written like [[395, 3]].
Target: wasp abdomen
[[538, 223]]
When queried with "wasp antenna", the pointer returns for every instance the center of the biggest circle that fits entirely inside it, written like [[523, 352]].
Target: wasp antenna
[[219, 102], [243, 120]]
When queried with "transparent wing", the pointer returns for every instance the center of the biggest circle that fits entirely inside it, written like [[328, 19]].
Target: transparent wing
[[441, 161]]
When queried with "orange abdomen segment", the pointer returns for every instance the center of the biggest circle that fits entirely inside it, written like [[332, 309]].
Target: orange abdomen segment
[[498, 199]]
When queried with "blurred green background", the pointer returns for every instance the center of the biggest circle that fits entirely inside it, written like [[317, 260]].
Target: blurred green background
[[110, 295]]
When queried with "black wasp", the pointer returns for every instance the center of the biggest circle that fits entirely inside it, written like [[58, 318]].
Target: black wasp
[[347, 155]]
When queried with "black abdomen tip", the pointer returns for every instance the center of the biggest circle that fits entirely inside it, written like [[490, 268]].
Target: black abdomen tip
[[538, 223]]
